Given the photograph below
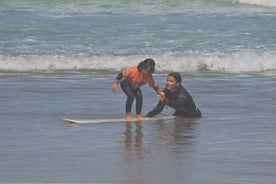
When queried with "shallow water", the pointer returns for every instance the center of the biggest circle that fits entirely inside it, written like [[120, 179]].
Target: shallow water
[[40, 41], [234, 141]]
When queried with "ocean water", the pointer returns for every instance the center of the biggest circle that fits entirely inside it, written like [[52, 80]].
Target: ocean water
[[220, 36], [59, 59]]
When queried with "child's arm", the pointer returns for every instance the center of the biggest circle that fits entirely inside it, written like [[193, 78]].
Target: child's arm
[[116, 81], [159, 92]]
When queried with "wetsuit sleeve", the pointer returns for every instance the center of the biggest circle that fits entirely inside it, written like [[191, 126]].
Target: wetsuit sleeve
[[156, 88], [152, 82], [119, 76], [154, 85], [159, 107]]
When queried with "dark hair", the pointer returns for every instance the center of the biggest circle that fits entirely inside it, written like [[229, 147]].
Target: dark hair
[[148, 64], [176, 76]]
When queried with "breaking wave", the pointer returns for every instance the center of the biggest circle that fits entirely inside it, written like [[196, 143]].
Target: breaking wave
[[239, 62]]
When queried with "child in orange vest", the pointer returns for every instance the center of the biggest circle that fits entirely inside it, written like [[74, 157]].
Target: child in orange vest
[[131, 80]]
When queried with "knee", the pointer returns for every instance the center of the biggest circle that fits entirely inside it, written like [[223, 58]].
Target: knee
[[130, 97]]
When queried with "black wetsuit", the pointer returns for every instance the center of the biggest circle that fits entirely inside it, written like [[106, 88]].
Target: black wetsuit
[[181, 101], [131, 93], [131, 84]]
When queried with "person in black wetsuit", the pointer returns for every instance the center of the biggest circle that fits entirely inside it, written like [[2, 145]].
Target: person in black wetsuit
[[177, 97]]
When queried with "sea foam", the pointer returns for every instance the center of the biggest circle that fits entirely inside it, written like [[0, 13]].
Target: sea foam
[[239, 62], [267, 3]]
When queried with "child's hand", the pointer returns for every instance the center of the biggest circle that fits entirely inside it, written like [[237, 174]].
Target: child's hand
[[161, 96], [114, 87]]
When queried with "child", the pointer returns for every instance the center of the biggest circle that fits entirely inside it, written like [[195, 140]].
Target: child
[[131, 80]]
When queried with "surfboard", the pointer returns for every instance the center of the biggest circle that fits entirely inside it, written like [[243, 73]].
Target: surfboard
[[115, 120]]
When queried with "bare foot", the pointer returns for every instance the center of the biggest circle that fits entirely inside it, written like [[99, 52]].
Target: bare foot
[[128, 117], [139, 117]]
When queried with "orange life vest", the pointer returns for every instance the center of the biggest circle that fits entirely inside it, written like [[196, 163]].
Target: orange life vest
[[136, 79]]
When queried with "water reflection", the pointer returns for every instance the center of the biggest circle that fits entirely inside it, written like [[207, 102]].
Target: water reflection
[[163, 146], [175, 134], [134, 143], [180, 132]]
